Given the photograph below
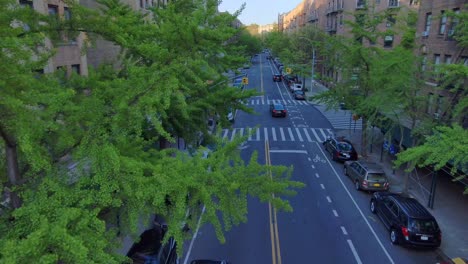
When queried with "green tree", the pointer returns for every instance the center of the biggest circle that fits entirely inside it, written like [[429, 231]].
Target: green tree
[[88, 169]]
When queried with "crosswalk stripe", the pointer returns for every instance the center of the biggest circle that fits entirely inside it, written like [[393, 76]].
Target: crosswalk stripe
[[250, 133], [315, 134], [291, 134], [299, 134], [258, 101], [307, 135], [282, 134], [241, 132], [233, 133], [225, 133], [273, 131], [263, 101], [258, 134], [323, 133], [265, 131]]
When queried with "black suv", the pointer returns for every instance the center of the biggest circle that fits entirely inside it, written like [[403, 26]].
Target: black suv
[[407, 220]]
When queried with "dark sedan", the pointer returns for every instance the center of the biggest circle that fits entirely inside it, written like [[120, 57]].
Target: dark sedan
[[277, 110], [277, 77], [340, 149]]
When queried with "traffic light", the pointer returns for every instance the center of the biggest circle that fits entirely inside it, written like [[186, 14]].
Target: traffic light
[[245, 80]]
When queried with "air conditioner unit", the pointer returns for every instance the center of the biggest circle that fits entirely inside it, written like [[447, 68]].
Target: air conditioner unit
[[425, 34], [436, 116]]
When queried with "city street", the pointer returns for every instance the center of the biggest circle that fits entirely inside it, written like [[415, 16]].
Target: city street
[[331, 221]]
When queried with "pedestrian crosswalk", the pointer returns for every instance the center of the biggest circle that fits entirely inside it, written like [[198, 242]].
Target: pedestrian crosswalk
[[260, 101], [340, 119], [300, 134]]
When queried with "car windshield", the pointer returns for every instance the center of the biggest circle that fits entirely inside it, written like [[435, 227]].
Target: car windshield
[[380, 177], [344, 146], [423, 225]]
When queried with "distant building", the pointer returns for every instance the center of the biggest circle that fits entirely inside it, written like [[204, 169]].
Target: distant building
[[266, 28], [68, 51]]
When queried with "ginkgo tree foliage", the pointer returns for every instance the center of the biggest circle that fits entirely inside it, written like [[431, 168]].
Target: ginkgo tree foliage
[[82, 156]]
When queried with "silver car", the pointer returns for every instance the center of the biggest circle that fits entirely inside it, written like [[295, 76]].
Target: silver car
[[367, 176]]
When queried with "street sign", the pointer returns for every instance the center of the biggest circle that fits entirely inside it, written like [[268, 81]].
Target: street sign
[[288, 70], [356, 117], [245, 80]]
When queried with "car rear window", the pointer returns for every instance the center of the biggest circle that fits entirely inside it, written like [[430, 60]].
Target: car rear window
[[423, 225], [376, 177], [345, 146], [299, 92], [279, 107]]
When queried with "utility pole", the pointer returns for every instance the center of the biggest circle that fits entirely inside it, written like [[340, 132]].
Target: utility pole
[[313, 71]]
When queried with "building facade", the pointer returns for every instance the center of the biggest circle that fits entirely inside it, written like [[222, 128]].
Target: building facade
[[68, 56]]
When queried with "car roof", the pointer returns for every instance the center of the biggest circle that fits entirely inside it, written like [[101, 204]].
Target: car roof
[[278, 105], [371, 166], [412, 207]]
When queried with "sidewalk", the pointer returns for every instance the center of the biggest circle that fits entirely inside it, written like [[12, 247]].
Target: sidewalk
[[450, 205]]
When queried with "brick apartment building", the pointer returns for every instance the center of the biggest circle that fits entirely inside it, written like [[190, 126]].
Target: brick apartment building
[[68, 52], [434, 35]]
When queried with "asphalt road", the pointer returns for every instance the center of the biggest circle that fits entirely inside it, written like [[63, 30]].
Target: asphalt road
[[331, 222]]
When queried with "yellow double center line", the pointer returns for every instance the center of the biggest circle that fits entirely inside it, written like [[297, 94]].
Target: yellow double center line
[[274, 234]]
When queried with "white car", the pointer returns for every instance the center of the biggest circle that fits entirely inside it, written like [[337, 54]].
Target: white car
[[295, 87]]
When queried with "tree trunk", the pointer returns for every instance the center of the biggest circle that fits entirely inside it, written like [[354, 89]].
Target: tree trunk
[[12, 167], [364, 137]]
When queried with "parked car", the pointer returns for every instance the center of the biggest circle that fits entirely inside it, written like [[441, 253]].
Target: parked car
[[407, 220], [277, 77], [238, 83], [299, 95], [340, 149], [295, 87], [367, 176], [278, 110]]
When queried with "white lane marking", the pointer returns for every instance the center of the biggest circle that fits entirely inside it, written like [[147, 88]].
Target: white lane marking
[[258, 134], [307, 135], [263, 102], [233, 134], [322, 186], [357, 207], [329, 199], [335, 213], [225, 133], [291, 134], [258, 101], [273, 132], [288, 151], [316, 175], [315, 135], [343, 229], [356, 256], [241, 132], [309, 159], [250, 134], [282, 134], [313, 167], [268, 101], [324, 135], [265, 131], [194, 237], [299, 135]]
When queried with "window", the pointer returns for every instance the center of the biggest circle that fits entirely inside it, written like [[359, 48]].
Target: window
[[392, 3], [53, 10], [76, 68], [443, 22], [428, 23], [436, 59], [341, 19], [424, 63], [67, 13], [430, 103], [464, 60], [26, 3], [455, 22], [388, 41], [448, 59], [391, 21], [361, 4]]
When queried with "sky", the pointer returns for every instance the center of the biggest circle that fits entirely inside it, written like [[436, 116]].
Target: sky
[[259, 12]]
